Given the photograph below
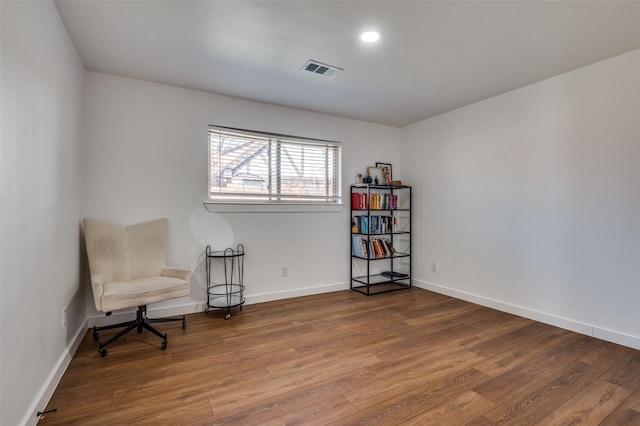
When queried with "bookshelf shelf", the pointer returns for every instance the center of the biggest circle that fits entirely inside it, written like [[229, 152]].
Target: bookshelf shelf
[[382, 257], [380, 238]]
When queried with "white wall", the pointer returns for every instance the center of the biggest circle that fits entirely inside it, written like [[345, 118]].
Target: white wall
[[146, 157], [529, 201], [41, 204]]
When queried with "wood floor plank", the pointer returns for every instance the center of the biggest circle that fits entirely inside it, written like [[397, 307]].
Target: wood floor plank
[[622, 416], [420, 377], [461, 410], [161, 390], [319, 414], [412, 357], [529, 367], [297, 381], [315, 393], [194, 411], [515, 357], [604, 353], [546, 396], [411, 401], [626, 373], [404, 403], [633, 402], [590, 406]]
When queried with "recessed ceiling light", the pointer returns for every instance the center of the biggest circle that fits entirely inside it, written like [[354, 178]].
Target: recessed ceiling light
[[370, 36]]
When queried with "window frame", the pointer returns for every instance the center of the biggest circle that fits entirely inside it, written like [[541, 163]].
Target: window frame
[[273, 201]]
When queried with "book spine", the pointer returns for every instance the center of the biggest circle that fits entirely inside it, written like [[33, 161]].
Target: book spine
[[378, 248], [356, 249], [387, 252], [389, 244]]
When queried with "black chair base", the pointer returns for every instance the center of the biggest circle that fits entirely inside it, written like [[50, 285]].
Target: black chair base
[[141, 322]]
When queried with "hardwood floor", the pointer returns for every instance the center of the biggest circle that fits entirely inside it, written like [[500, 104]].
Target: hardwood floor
[[409, 357]]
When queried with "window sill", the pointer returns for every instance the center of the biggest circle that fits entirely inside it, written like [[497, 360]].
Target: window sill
[[221, 207]]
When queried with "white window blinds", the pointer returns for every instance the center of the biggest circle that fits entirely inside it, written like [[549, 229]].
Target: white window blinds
[[252, 166]]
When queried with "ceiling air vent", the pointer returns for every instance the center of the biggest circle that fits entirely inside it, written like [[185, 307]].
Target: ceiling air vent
[[321, 69]]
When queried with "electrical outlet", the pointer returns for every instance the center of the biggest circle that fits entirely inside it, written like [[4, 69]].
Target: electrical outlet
[[285, 271], [64, 317], [434, 266]]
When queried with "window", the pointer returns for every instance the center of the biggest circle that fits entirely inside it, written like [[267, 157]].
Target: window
[[250, 166]]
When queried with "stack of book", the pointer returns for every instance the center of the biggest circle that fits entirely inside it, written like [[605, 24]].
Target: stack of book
[[374, 224], [383, 202], [371, 248], [360, 201]]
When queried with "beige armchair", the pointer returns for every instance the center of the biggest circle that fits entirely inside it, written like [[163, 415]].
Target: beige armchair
[[128, 269]]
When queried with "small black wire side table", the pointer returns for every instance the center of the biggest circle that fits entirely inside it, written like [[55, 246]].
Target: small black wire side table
[[229, 294]]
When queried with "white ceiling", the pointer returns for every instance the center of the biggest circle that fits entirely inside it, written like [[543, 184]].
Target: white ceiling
[[433, 57]]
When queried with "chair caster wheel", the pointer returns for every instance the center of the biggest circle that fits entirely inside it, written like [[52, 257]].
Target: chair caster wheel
[[164, 345], [96, 337], [103, 352], [227, 316]]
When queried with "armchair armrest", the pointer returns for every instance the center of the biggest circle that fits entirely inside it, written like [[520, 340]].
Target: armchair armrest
[[97, 284], [180, 273]]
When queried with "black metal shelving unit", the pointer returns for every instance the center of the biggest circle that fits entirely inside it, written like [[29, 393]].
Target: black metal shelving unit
[[373, 273], [229, 294]]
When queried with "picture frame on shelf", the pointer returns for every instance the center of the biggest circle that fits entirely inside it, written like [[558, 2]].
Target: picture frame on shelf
[[375, 173], [386, 173]]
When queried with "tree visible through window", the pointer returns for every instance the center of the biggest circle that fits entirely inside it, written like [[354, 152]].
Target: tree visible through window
[[246, 165]]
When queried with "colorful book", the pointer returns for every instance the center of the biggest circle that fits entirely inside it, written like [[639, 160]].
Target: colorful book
[[389, 245], [356, 247]]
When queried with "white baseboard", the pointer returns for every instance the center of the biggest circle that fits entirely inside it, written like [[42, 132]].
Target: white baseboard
[[299, 292], [565, 323], [47, 389]]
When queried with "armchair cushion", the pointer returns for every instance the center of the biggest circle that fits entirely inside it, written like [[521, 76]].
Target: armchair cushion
[[125, 294]]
